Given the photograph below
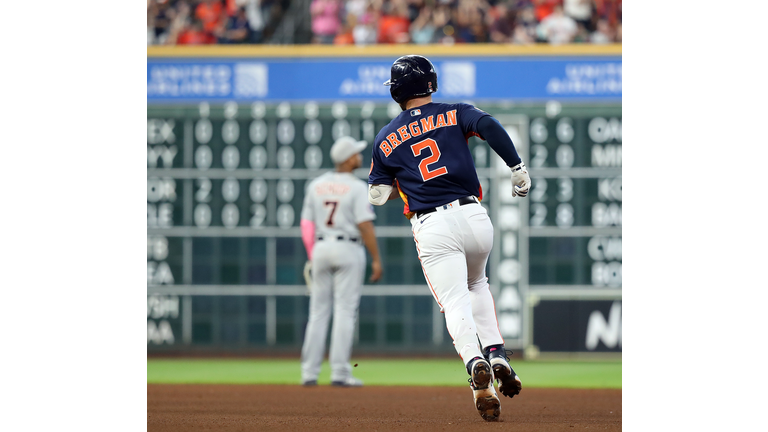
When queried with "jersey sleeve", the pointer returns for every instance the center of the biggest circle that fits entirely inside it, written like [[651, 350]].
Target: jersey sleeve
[[379, 172], [307, 210], [363, 210], [499, 140], [468, 116]]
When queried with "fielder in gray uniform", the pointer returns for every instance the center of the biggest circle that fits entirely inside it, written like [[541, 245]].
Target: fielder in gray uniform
[[336, 220]]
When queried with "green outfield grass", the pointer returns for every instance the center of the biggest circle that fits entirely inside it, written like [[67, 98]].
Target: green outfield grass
[[424, 372]]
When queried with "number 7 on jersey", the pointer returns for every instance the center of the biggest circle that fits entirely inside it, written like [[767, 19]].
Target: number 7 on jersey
[[430, 144], [333, 205]]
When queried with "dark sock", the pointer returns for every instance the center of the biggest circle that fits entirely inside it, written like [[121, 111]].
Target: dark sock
[[495, 351], [469, 365]]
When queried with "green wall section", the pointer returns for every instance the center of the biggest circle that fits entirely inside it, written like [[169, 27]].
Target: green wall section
[[420, 372]]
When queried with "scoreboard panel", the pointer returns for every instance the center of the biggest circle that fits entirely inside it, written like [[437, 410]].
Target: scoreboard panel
[[574, 259], [225, 185]]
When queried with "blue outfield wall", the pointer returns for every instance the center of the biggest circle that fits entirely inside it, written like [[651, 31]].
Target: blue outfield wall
[[520, 78]]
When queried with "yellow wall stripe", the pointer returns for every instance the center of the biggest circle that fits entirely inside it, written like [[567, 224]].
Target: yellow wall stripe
[[474, 50]]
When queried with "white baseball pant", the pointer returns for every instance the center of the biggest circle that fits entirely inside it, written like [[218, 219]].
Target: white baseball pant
[[453, 245]]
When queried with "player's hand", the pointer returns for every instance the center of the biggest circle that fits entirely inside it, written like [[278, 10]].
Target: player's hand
[[308, 275], [375, 271], [521, 181]]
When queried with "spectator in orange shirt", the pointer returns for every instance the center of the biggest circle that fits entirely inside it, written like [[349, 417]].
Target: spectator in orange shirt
[[544, 8], [209, 12], [195, 34], [345, 36], [609, 10], [394, 24], [232, 6]]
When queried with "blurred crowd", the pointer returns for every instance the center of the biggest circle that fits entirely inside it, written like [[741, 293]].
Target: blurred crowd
[[199, 22], [363, 22]]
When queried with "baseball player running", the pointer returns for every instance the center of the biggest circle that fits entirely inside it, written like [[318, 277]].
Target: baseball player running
[[423, 156], [336, 220]]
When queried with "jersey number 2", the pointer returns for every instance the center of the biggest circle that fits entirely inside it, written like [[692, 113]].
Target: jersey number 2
[[431, 144]]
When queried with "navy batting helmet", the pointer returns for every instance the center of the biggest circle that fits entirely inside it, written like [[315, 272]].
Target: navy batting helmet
[[412, 76]]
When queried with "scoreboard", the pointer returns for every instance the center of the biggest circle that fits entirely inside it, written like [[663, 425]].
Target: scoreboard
[[225, 185], [572, 239]]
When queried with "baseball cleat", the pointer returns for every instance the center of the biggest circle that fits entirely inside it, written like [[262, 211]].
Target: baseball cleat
[[309, 383], [481, 382], [509, 383], [348, 382]]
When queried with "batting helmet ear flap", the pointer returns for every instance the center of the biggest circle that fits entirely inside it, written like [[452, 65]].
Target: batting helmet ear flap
[[411, 76]]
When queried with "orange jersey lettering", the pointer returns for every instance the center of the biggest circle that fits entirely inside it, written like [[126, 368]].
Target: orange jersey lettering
[[451, 117], [438, 165], [393, 141], [403, 131], [427, 124], [414, 127], [385, 148], [440, 121]]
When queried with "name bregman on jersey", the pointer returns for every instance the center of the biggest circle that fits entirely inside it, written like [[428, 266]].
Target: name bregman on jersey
[[427, 124]]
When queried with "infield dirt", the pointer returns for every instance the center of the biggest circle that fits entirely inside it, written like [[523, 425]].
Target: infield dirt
[[186, 407]]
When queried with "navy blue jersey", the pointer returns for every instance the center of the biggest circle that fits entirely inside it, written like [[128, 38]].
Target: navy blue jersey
[[424, 152]]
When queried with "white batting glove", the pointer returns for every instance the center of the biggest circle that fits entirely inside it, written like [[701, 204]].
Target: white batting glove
[[308, 275], [521, 181]]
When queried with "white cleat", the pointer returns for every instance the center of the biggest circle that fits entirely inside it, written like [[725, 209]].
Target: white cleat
[[509, 383], [348, 382], [486, 400]]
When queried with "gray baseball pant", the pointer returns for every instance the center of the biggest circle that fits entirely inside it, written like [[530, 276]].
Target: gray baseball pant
[[338, 268]]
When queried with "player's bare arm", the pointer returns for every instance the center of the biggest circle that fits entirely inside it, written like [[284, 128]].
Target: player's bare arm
[[395, 194], [368, 233]]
